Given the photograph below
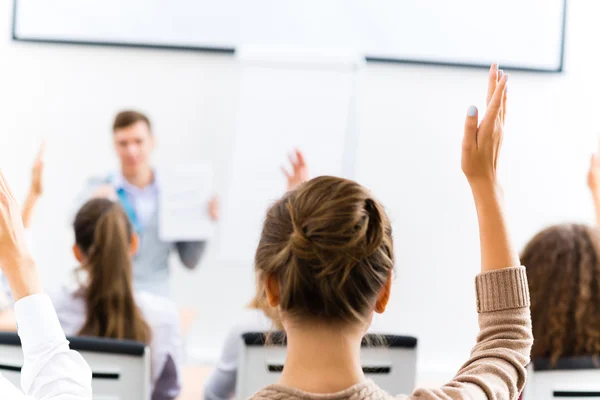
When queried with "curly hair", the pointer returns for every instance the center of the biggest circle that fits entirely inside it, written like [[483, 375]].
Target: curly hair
[[563, 269]]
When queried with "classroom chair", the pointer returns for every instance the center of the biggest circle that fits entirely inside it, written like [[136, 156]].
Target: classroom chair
[[573, 378], [390, 362], [120, 368]]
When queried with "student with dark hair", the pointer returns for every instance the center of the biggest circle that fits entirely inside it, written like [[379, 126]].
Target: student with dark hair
[[326, 259]]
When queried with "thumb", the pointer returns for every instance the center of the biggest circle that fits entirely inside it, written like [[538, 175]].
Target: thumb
[[470, 137]]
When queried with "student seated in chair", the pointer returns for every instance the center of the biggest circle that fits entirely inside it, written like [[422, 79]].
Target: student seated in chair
[[102, 302], [326, 257], [50, 369], [563, 267]]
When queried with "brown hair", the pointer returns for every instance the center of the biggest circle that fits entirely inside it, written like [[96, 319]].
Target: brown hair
[[329, 244], [563, 269], [125, 119], [103, 233]]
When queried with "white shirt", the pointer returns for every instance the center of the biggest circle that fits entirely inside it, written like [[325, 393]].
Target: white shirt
[[144, 200], [161, 314], [51, 370], [221, 384]]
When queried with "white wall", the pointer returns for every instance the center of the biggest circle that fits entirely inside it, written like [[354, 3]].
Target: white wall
[[411, 125]]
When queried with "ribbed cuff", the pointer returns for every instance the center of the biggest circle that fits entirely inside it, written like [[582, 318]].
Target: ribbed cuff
[[502, 289]]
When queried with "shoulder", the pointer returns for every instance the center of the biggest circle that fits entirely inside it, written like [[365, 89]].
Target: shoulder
[[69, 304], [65, 295]]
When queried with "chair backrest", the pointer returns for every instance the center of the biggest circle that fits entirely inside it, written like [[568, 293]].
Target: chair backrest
[[120, 368], [572, 378], [391, 362]]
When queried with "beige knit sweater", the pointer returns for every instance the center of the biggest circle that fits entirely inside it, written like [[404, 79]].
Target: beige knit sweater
[[496, 369]]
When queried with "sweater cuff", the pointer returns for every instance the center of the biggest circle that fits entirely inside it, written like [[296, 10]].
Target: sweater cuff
[[502, 289]]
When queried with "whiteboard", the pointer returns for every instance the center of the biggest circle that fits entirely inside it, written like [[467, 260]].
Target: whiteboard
[[280, 101], [518, 34]]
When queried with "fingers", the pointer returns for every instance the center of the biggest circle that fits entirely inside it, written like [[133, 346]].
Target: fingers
[[492, 80], [495, 104], [40, 155], [292, 158], [504, 98], [4, 188], [286, 173], [470, 137], [300, 158]]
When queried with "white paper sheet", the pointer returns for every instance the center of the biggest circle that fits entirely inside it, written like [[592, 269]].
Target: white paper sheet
[[185, 190]]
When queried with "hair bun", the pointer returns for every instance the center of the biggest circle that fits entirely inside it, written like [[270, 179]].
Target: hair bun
[[375, 231]]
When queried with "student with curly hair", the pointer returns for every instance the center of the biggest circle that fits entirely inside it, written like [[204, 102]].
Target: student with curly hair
[[563, 269]]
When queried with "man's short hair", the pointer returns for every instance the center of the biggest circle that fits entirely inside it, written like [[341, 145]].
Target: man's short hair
[[125, 119]]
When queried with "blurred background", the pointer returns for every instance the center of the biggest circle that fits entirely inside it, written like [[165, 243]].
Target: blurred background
[[223, 82]]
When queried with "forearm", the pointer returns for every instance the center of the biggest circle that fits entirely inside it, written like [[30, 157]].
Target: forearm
[[28, 208], [24, 281], [497, 366], [497, 250], [190, 253]]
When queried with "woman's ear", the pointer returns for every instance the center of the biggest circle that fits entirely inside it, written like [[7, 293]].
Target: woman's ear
[[384, 296], [78, 254], [134, 244], [272, 291]]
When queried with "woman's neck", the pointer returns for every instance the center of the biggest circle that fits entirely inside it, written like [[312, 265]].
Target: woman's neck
[[322, 358]]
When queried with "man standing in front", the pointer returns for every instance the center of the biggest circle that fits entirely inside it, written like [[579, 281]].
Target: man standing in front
[[135, 186]]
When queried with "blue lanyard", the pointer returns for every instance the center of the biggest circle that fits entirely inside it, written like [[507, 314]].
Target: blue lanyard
[[129, 210]]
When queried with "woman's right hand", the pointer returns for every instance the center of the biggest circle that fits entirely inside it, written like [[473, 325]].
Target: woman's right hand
[[15, 260], [480, 153], [482, 142]]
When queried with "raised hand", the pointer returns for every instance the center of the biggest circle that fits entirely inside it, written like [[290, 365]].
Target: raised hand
[[213, 208], [593, 179], [37, 171], [15, 261], [480, 152], [482, 141], [35, 188], [594, 175], [299, 172]]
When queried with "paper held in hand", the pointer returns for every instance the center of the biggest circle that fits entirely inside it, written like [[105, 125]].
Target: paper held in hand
[[185, 190]]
